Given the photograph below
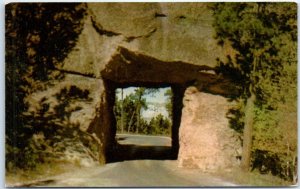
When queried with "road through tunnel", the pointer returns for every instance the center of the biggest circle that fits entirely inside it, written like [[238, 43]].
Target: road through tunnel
[[146, 141], [130, 69]]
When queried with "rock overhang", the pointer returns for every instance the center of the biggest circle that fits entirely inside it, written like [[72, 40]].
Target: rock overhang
[[169, 32], [127, 68]]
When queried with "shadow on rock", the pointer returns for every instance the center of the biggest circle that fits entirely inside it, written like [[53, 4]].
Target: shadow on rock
[[138, 152]]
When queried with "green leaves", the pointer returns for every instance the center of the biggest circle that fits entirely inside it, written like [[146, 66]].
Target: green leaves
[[264, 35], [38, 37], [160, 125]]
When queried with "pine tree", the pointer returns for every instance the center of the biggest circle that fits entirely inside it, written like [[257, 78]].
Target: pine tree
[[264, 37]]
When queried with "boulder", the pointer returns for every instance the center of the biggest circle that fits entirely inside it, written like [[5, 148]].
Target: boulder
[[205, 139]]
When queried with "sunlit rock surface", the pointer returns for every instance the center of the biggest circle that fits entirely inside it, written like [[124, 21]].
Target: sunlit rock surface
[[206, 141]]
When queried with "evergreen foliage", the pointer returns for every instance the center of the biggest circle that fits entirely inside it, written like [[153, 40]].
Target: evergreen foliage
[[38, 37], [264, 36]]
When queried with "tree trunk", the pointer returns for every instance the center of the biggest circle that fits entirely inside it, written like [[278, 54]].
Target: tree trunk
[[130, 122], [138, 116], [295, 171], [122, 112], [138, 111], [248, 133]]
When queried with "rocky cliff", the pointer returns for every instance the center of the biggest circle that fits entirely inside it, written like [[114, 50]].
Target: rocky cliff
[[152, 45]]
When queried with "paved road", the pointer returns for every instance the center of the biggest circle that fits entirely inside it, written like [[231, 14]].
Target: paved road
[[144, 140], [139, 147], [136, 173]]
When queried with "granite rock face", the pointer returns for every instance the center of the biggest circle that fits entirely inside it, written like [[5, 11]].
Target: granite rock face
[[151, 45], [206, 141], [166, 31]]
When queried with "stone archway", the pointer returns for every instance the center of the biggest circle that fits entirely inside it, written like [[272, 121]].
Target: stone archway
[[131, 44], [127, 68], [151, 44]]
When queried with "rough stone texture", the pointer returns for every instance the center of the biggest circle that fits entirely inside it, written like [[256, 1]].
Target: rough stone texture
[[206, 141], [82, 117], [166, 31], [152, 45]]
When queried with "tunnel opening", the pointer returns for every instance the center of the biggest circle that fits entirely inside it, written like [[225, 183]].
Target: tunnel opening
[[149, 126]]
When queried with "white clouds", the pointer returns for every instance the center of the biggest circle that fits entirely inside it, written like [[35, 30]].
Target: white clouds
[[153, 111]]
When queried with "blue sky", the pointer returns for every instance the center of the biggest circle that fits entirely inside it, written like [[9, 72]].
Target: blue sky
[[156, 101]]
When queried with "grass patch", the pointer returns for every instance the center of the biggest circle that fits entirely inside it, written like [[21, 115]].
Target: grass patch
[[253, 178], [41, 172]]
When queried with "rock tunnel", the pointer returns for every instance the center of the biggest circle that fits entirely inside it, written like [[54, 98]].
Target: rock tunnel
[[128, 68], [131, 45]]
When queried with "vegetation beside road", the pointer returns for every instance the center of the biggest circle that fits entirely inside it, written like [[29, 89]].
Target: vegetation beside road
[[263, 63]]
